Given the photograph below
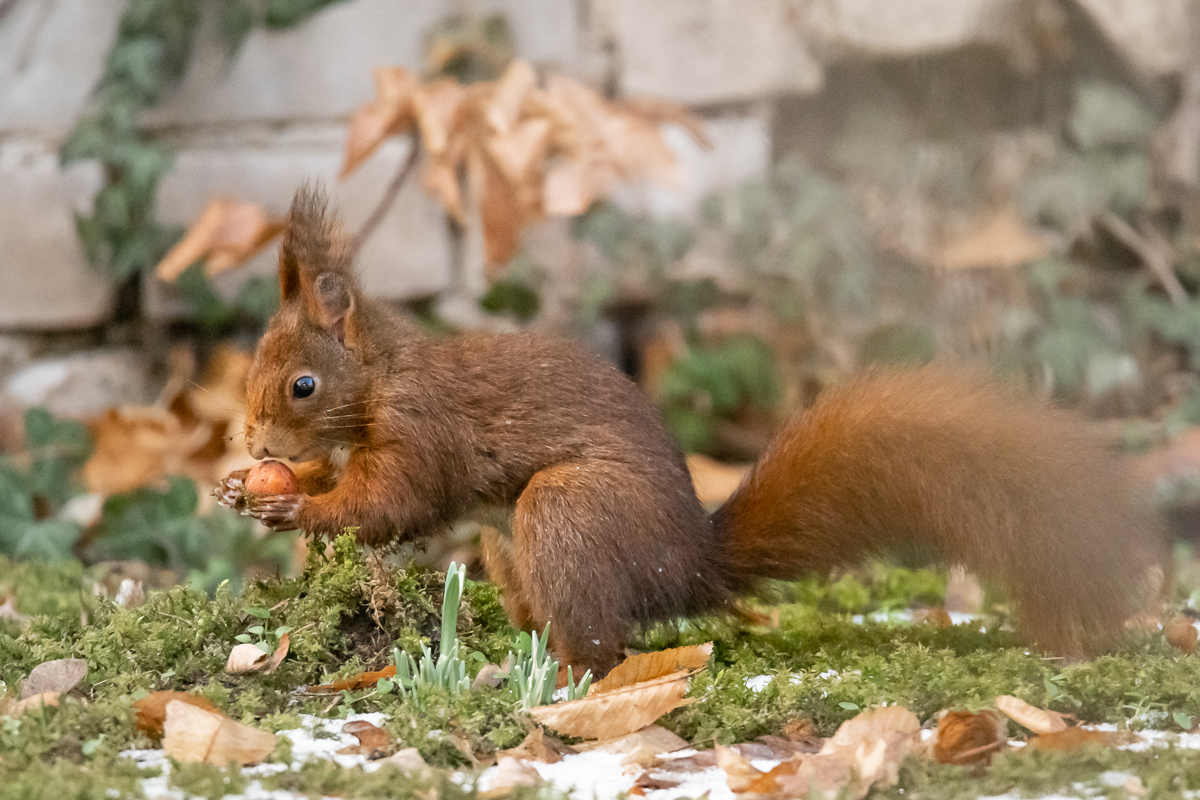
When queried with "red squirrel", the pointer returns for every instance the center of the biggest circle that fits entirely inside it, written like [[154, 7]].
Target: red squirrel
[[397, 433]]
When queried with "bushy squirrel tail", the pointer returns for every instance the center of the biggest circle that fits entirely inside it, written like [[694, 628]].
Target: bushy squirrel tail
[[946, 460]]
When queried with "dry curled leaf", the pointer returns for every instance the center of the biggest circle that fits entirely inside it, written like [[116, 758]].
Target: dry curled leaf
[[648, 666], [192, 734], [1181, 633], [617, 712], [61, 675], [228, 232], [390, 113], [1073, 739], [34, 701], [151, 710], [363, 680], [249, 658], [538, 746], [964, 737], [1038, 720], [373, 741], [510, 773]]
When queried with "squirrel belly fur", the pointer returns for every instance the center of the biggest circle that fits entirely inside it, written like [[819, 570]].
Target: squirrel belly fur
[[397, 433]]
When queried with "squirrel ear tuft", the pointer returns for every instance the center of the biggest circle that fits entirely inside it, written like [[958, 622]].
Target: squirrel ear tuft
[[332, 306]]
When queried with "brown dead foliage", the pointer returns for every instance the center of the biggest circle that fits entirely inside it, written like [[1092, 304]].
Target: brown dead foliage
[[151, 710]]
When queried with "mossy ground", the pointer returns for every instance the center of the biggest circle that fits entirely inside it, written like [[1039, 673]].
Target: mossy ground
[[825, 666]]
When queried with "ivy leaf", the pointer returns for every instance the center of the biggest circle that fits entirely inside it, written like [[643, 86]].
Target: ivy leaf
[[286, 13], [138, 63]]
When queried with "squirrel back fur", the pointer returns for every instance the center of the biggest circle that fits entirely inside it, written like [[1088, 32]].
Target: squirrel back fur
[[400, 432]]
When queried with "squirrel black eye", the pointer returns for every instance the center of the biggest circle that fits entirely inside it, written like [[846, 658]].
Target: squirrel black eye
[[304, 386]]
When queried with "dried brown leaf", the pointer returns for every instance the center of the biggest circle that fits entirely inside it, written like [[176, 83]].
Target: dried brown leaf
[[715, 481], [640, 747], [373, 741], [1073, 739], [151, 710], [438, 107], [1181, 633], [362, 680], [504, 108], [520, 154], [1038, 720], [1002, 240], [391, 112], [510, 773], [34, 701], [60, 675], [964, 737], [440, 178], [740, 774], [538, 746], [876, 723], [228, 231], [192, 734], [617, 712], [648, 666], [249, 658]]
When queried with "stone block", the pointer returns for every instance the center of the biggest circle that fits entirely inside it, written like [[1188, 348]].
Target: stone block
[[708, 51], [51, 55], [407, 256], [321, 69], [1156, 38], [881, 28], [83, 384], [48, 282]]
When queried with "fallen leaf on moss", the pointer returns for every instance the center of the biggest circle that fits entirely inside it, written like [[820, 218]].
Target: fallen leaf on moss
[[1038, 720], [648, 666], [373, 741], [538, 746], [1078, 738], [192, 734], [617, 712], [510, 773], [640, 747], [964, 737], [936, 616], [1181, 633], [151, 710], [409, 761], [362, 680], [34, 701], [61, 675], [249, 658]]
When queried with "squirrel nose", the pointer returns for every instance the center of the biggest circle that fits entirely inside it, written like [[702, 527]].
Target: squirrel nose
[[260, 453]]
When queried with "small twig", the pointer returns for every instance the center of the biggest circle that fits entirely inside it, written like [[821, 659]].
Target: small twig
[[389, 194], [1154, 251], [172, 616]]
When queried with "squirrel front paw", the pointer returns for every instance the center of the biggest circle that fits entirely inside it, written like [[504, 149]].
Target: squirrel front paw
[[231, 492], [277, 511]]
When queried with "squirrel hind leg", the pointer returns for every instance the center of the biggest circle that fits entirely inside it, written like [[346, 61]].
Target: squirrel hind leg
[[499, 559], [596, 550]]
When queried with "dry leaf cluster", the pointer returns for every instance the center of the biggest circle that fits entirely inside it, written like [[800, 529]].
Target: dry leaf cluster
[[526, 151], [249, 658], [634, 694], [190, 430], [510, 151], [193, 734]]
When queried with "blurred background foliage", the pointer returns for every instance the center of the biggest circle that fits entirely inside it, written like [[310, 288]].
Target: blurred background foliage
[[918, 209]]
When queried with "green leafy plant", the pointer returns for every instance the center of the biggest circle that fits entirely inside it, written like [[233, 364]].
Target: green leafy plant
[[260, 635], [36, 483], [151, 52], [448, 672], [533, 673]]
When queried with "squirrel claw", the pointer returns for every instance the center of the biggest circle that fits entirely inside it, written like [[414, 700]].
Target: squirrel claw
[[231, 492], [276, 511]]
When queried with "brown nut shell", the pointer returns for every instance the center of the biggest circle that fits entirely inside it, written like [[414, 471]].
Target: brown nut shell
[[271, 477]]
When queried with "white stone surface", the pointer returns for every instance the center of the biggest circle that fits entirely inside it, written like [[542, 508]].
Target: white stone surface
[[408, 255], [51, 53], [82, 385], [47, 282], [709, 51], [1158, 37], [321, 69]]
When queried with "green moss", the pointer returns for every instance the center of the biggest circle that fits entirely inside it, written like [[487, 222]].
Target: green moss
[[64, 779]]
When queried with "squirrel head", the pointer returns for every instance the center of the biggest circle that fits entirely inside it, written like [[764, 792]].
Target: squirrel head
[[306, 392]]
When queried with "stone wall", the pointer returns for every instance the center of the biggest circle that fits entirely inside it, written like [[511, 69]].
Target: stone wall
[[274, 117]]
